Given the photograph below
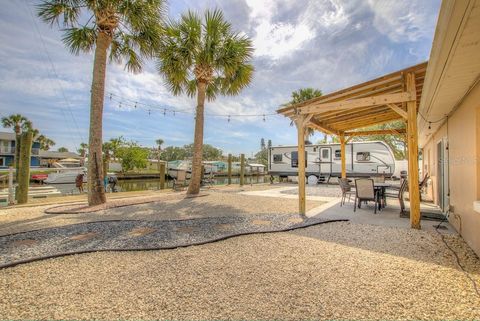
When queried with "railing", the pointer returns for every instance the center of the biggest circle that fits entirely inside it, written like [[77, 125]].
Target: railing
[[11, 150], [7, 150]]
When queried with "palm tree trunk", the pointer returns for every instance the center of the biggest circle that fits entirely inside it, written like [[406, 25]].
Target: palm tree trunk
[[96, 191], [194, 186]]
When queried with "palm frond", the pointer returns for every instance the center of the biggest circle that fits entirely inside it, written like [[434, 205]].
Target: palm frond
[[79, 39], [56, 11]]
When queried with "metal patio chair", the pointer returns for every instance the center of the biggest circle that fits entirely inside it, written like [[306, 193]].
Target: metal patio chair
[[365, 191], [346, 189]]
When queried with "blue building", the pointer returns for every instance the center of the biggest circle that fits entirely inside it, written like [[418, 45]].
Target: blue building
[[7, 151]]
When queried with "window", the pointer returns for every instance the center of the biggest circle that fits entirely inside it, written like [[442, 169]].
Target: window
[[277, 157], [338, 154], [294, 157], [325, 153], [363, 156]]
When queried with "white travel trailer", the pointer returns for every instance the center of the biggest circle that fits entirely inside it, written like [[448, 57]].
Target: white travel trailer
[[366, 159]]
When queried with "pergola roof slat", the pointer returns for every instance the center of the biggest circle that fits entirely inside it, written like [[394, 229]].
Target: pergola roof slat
[[373, 102]]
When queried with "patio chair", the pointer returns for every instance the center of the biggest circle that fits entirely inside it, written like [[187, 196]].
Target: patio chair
[[398, 195], [423, 184], [346, 189], [180, 182], [365, 191]]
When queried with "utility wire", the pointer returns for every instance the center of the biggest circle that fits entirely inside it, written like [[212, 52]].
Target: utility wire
[[54, 71]]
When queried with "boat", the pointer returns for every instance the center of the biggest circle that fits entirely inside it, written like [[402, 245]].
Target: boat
[[33, 192], [185, 165], [65, 175]]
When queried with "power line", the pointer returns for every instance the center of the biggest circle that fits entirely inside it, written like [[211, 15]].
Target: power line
[[54, 72]]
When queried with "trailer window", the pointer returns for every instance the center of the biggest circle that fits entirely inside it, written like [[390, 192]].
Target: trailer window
[[277, 157], [363, 156], [338, 154], [294, 157]]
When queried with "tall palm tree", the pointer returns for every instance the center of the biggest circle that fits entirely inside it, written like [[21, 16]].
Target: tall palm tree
[[19, 123], [45, 142], [204, 58], [130, 29]]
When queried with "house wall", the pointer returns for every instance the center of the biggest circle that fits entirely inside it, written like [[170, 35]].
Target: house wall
[[463, 132]]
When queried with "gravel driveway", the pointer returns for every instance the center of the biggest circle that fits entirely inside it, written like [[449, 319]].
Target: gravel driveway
[[332, 271]]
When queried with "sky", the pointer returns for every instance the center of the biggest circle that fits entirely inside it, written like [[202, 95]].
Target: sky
[[324, 44]]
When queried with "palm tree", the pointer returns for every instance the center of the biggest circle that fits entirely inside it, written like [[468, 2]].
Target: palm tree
[[302, 95], [159, 143], [130, 29], [45, 142], [82, 150], [204, 58], [19, 123]]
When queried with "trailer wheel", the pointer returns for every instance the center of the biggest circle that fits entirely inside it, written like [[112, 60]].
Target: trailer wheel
[[312, 180]]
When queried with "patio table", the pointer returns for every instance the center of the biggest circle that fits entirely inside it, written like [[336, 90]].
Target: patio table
[[380, 188]]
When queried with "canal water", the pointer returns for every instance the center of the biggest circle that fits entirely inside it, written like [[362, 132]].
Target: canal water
[[153, 184]]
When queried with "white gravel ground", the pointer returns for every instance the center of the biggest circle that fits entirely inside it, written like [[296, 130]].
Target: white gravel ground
[[331, 271], [226, 202]]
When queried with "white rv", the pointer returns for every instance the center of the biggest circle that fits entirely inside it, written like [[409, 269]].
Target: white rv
[[323, 161]]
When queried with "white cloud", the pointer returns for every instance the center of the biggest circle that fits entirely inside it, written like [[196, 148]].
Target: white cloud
[[275, 39], [402, 20]]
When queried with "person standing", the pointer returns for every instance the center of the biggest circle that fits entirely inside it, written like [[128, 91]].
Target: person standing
[[79, 182]]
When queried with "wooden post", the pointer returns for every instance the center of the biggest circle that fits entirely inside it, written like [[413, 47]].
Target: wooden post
[[300, 123], [229, 169], [161, 166], [242, 169], [412, 136], [343, 156], [24, 167]]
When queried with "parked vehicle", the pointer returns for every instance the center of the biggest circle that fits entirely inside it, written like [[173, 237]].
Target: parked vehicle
[[363, 159]]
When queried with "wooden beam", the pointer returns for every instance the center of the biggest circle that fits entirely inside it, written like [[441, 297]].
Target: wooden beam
[[314, 123], [300, 123], [397, 131], [365, 123], [413, 181], [365, 88], [359, 102], [398, 110], [343, 156]]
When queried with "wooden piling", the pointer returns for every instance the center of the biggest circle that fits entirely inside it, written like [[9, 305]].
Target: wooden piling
[[229, 169], [242, 169], [162, 167]]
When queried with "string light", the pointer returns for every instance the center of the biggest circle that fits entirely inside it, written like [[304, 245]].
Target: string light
[[139, 105]]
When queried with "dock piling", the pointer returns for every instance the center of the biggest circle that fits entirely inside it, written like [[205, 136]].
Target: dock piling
[[242, 169], [229, 169], [161, 167]]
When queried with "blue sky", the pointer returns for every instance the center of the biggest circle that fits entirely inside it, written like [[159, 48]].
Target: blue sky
[[326, 44]]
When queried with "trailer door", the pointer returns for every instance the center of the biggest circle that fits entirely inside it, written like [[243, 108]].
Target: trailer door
[[325, 160]]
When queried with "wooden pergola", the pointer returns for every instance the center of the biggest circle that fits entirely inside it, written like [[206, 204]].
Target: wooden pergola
[[344, 113]]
